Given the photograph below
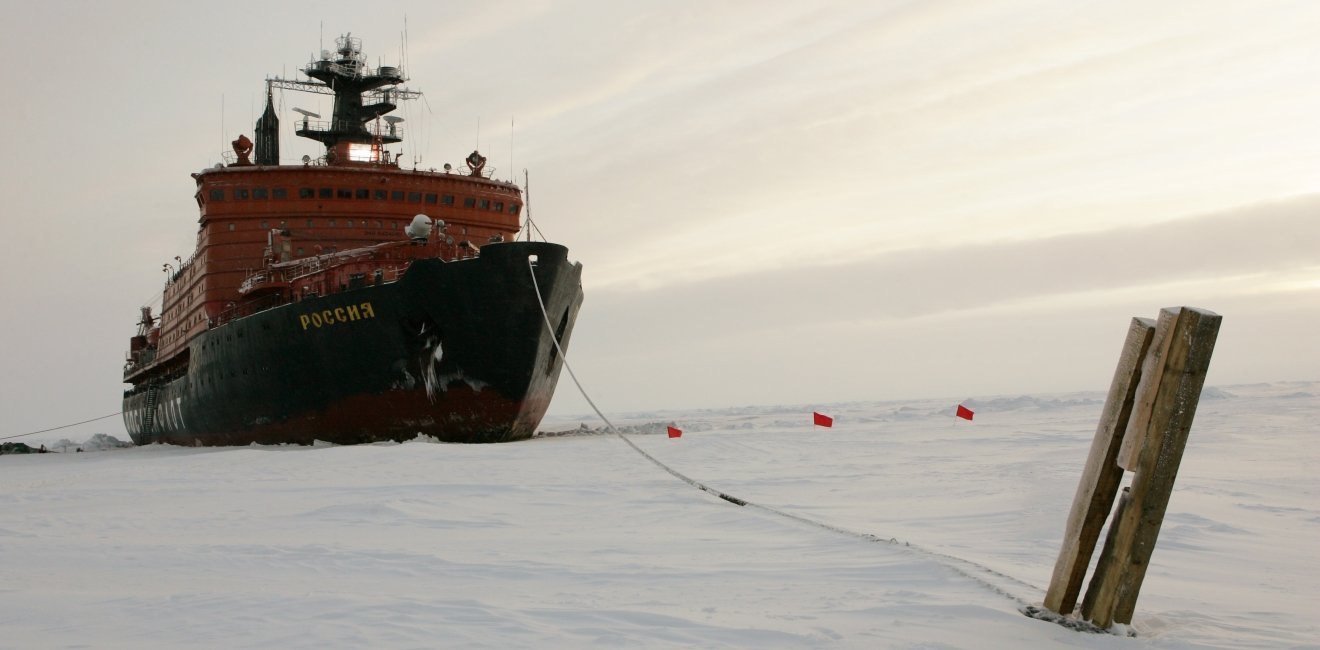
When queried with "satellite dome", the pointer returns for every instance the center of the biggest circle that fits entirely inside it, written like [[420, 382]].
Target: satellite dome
[[420, 228]]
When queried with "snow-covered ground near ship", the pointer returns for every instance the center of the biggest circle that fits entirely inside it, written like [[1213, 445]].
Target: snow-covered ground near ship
[[574, 540]]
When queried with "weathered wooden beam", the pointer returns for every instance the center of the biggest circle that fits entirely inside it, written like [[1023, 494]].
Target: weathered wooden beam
[[1167, 396], [1101, 475], [1106, 558]]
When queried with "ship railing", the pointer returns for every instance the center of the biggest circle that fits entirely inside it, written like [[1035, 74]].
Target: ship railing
[[385, 130], [486, 172], [228, 158], [313, 126], [259, 278], [353, 69], [252, 281], [384, 273], [176, 268], [315, 265], [384, 161], [157, 381], [183, 266], [356, 68], [389, 270], [380, 129], [138, 359], [246, 308]]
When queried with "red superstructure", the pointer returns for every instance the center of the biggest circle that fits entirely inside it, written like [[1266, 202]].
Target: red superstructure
[[255, 215]]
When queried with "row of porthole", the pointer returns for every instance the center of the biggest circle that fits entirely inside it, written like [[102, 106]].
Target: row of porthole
[[262, 193], [203, 378], [334, 223]]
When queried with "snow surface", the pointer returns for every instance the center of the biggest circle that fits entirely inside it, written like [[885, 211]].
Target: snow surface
[[939, 531]]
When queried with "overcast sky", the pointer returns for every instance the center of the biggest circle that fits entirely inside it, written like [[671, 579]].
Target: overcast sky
[[774, 202]]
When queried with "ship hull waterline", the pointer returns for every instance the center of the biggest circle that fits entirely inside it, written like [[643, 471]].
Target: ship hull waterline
[[458, 351]]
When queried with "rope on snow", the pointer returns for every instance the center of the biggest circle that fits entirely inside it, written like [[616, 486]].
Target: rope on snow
[[964, 567]]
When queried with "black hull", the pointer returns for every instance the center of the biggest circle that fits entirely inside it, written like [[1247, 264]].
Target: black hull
[[459, 351]]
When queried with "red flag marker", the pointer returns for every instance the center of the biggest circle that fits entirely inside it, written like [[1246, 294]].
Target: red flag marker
[[675, 433], [964, 412], [821, 420]]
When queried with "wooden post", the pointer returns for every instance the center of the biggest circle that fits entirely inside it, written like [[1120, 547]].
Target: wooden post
[[1166, 400], [1102, 565], [1101, 476]]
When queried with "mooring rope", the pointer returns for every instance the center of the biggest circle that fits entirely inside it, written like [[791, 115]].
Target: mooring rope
[[63, 426], [961, 566]]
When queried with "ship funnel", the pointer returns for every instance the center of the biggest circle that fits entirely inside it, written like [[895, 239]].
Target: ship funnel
[[420, 228]]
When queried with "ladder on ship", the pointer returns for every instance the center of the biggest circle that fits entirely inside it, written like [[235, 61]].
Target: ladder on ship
[[149, 415]]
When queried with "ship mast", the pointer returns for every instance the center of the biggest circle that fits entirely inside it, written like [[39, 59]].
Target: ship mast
[[268, 133], [345, 75]]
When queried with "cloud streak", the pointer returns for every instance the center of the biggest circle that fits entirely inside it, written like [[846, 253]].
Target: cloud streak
[[1266, 240]]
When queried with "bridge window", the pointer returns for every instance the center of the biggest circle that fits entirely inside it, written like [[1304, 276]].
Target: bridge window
[[306, 193], [363, 193], [260, 193], [381, 195], [513, 208], [469, 202], [345, 193], [447, 199], [217, 195], [396, 195], [326, 193], [280, 192], [360, 152], [311, 223], [485, 204], [414, 197], [431, 198], [499, 206], [241, 193]]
